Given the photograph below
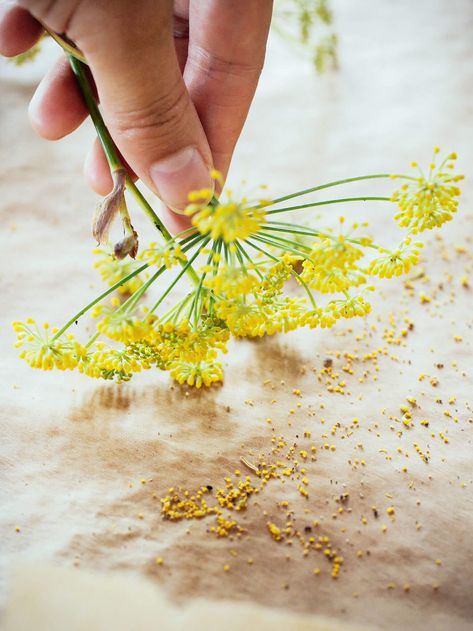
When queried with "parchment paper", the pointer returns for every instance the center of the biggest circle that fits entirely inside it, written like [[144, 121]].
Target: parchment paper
[[74, 452]]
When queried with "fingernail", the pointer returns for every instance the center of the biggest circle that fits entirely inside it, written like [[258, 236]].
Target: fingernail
[[177, 175]]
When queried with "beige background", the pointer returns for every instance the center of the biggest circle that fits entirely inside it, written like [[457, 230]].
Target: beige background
[[71, 447]]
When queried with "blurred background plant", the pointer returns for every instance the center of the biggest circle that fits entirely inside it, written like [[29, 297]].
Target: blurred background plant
[[308, 26]]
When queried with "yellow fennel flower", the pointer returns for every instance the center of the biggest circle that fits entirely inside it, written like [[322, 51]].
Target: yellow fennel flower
[[428, 201], [330, 280], [244, 319], [277, 275], [196, 374], [331, 265], [40, 350], [251, 274], [111, 363], [229, 220], [162, 254], [112, 270], [261, 316], [396, 262], [122, 325], [335, 252], [182, 342], [231, 281], [349, 307], [287, 313], [317, 317]]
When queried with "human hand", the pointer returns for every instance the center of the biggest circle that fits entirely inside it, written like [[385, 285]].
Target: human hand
[[175, 81]]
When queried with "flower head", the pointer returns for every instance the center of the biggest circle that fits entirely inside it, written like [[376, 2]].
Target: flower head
[[318, 317], [336, 251], [428, 201], [232, 281], [396, 262], [183, 342], [277, 275], [244, 319], [112, 270], [260, 316], [331, 265], [228, 220], [167, 254], [111, 363], [330, 280], [349, 307], [197, 374], [122, 325], [41, 349]]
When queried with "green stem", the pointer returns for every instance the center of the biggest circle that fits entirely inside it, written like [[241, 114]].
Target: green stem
[[217, 248], [282, 226], [92, 339], [308, 232], [146, 206], [328, 201], [329, 185], [133, 299], [195, 300], [112, 155], [276, 237], [178, 277], [79, 70], [282, 246], [247, 256], [98, 299], [174, 312]]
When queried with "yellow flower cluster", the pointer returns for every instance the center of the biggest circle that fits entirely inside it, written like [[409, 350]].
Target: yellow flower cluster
[[257, 318], [229, 220], [162, 254], [396, 262], [41, 350], [252, 270], [232, 282], [331, 265], [428, 201], [121, 324], [338, 252], [197, 374], [111, 363], [182, 342], [350, 307], [113, 270]]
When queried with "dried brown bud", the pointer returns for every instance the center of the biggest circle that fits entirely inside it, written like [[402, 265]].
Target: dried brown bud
[[127, 246], [107, 209], [105, 214]]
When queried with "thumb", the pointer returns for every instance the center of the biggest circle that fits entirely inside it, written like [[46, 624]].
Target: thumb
[[144, 101]]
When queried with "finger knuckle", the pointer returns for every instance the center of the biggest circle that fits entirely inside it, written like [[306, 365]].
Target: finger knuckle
[[216, 65], [154, 120]]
